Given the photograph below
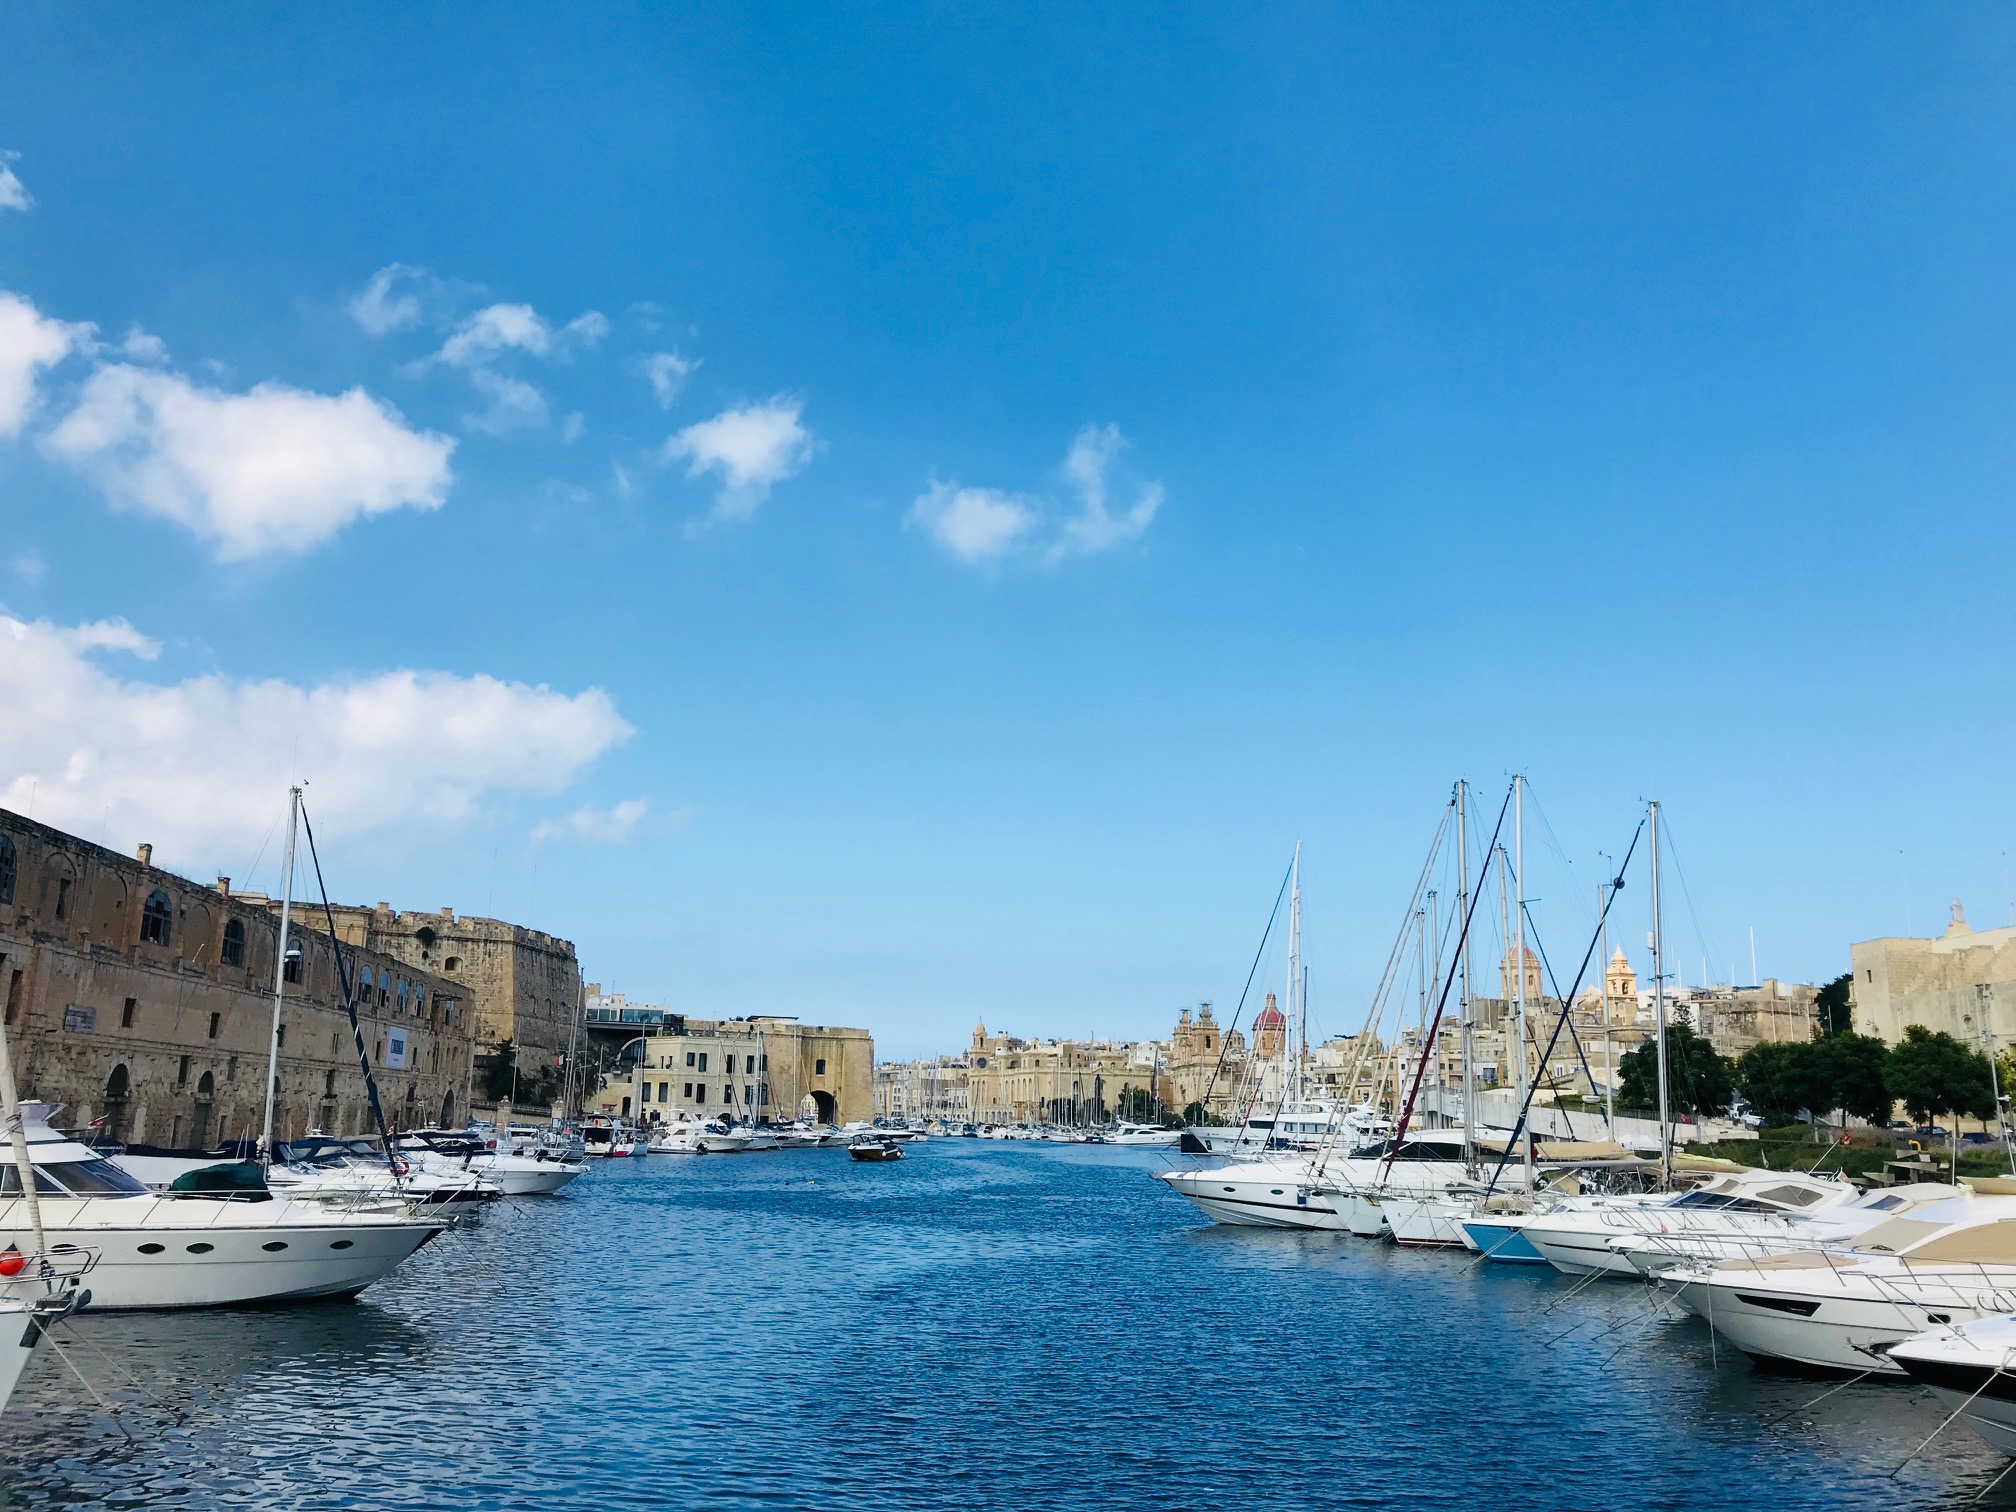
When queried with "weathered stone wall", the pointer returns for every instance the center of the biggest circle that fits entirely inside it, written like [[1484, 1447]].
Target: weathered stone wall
[[1938, 983], [526, 984], [178, 1012]]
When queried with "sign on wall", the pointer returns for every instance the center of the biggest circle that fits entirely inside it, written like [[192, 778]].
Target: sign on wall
[[79, 1019], [395, 1049]]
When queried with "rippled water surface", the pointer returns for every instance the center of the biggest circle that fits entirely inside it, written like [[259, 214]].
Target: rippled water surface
[[981, 1327]]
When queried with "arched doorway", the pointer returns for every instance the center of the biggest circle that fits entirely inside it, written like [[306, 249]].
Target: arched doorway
[[829, 1110], [118, 1089], [206, 1097], [448, 1109]]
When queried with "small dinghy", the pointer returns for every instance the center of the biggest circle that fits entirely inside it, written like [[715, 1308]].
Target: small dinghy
[[875, 1149]]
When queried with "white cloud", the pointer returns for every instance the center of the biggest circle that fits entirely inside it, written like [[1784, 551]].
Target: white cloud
[[979, 525], [500, 328], [974, 524], [1095, 528], [668, 372], [514, 403], [29, 565], [13, 193], [378, 309], [573, 427], [144, 346], [200, 767], [29, 341], [275, 469], [752, 448], [610, 826]]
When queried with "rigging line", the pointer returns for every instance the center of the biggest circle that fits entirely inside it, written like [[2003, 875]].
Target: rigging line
[[252, 867], [110, 1411], [348, 984], [1554, 844], [1992, 1377], [1573, 1038], [1375, 1013], [1223, 1042], [1993, 1483], [1809, 1406], [1701, 935], [1519, 1124], [1430, 1050]]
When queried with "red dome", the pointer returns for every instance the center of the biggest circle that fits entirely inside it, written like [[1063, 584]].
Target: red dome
[[1270, 1018]]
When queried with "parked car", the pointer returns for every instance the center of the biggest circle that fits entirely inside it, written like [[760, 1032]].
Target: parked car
[[1931, 1131], [1977, 1137]]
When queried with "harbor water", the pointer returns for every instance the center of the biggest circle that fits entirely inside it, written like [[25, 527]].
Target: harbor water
[[977, 1326]]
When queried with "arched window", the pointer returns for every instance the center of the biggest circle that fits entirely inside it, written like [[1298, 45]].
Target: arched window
[[234, 943], [7, 869], [364, 985], [206, 1093], [157, 919], [295, 962]]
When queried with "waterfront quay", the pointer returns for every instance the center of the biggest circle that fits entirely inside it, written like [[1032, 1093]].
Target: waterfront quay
[[983, 1324]]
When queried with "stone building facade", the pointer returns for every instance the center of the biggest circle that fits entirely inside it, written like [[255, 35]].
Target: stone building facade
[[525, 985], [1963, 982], [1015, 1080], [936, 1087], [145, 999], [767, 1067]]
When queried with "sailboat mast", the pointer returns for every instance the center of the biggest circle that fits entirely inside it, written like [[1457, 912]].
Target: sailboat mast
[[1291, 1079], [18, 1138], [1659, 1006], [1603, 949], [1519, 928], [280, 972], [1463, 979]]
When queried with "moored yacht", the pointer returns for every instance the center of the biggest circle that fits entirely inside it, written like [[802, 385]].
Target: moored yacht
[[1151, 1135], [1843, 1308], [1972, 1368], [442, 1153], [1578, 1238], [193, 1249]]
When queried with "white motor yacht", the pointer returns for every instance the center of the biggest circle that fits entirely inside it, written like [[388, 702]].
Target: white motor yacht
[[612, 1138], [1153, 1136], [1741, 1235], [354, 1173], [438, 1152], [1845, 1307], [1972, 1368], [1579, 1238], [195, 1248]]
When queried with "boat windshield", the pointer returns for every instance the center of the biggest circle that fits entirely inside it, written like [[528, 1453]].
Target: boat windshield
[[95, 1178], [10, 1182]]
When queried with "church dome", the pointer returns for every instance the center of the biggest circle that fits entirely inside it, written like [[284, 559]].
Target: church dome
[[1270, 1016]]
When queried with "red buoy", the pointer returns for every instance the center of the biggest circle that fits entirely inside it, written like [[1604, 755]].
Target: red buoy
[[12, 1261]]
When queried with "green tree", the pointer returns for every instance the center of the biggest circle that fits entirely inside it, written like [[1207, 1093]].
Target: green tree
[[1836, 1013], [1781, 1081], [1138, 1105], [1856, 1063], [1698, 1081], [1932, 1073], [1197, 1116]]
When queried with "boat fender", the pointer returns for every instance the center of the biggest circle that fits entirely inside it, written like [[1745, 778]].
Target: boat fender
[[12, 1261]]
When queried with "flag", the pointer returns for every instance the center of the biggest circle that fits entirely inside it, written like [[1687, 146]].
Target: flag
[[98, 1123]]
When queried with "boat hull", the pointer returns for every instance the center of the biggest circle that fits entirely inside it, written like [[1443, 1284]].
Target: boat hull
[[220, 1266], [1502, 1240], [1244, 1197]]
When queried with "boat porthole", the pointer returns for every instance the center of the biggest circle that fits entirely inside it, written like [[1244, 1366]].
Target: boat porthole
[[1231, 1189], [201, 1249], [1277, 1192], [277, 1244], [342, 1244], [152, 1249]]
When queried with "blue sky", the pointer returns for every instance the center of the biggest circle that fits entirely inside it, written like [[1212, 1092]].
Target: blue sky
[[1088, 453]]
